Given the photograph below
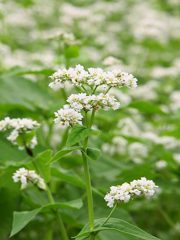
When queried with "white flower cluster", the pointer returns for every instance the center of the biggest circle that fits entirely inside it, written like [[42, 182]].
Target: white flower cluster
[[126, 191], [84, 102], [68, 116], [92, 77], [25, 176], [18, 126]]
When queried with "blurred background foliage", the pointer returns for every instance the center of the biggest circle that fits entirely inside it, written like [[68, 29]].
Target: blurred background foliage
[[141, 139]]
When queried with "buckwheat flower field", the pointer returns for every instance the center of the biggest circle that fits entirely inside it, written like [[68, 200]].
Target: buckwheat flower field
[[90, 119]]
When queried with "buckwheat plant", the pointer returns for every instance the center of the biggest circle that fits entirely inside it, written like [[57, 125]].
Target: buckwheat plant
[[92, 92]]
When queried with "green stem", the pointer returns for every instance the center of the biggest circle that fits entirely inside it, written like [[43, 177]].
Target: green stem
[[107, 90], [87, 176], [110, 214], [64, 138], [92, 118], [49, 233], [94, 89], [84, 89], [88, 190], [93, 236]]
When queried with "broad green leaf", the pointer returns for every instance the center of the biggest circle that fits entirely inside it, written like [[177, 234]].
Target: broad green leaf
[[116, 225], [21, 219], [63, 152], [10, 152], [68, 176], [22, 71], [110, 234], [42, 162], [76, 204], [77, 134], [16, 91]]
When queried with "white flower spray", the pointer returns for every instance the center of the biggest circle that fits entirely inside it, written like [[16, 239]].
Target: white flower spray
[[20, 128], [126, 191], [88, 81], [78, 76], [25, 177]]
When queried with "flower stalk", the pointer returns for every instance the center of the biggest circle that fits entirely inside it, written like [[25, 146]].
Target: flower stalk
[[87, 176], [88, 190]]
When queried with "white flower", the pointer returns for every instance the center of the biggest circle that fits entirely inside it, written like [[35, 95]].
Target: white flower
[[33, 142], [124, 192], [84, 102], [5, 123], [13, 136], [125, 79], [96, 76], [92, 77], [59, 78], [25, 176], [18, 126], [77, 76], [146, 187], [68, 117], [107, 101], [81, 101]]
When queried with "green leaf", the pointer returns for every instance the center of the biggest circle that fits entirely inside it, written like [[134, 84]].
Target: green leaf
[[22, 71], [63, 152], [77, 134], [16, 91], [76, 204], [93, 153], [68, 176], [42, 162], [116, 225], [21, 219]]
